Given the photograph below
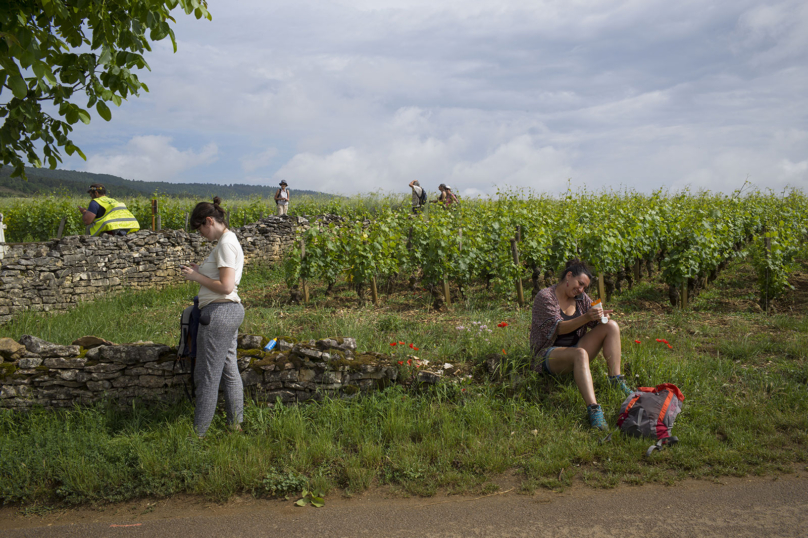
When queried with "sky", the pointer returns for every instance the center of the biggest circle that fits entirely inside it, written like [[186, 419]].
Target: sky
[[355, 96]]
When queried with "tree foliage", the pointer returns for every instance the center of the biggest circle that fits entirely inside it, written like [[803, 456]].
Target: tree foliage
[[54, 54]]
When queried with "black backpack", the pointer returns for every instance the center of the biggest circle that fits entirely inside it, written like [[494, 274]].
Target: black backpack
[[422, 197], [185, 363]]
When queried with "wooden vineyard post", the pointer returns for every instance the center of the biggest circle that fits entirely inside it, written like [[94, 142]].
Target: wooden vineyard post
[[518, 233], [187, 217], [154, 214], [601, 288], [767, 244], [261, 215], [520, 293], [61, 228], [303, 280], [684, 293], [374, 291], [446, 295], [637, 266], [158, 223], [86, 230]]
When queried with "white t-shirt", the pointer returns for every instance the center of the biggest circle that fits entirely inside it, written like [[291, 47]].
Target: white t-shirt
[[283, 196], [227, 253], [416, 195]]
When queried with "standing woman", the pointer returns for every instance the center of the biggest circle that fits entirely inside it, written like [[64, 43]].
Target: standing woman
[[282, 199], [222, 314], [561, 343]]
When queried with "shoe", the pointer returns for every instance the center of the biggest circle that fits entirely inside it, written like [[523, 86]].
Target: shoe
[[596, 419], [619, 382]]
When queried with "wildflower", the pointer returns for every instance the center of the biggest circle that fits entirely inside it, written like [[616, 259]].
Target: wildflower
[[409, 361], [483, 327], [670, 346], [665, 341], [412, 346], [401, 362], [659, 340], [401, 343], [504, 352], [460, 328], [503, 324], [462, 390], [476, 322], [392, 343], [637, 342], [415, 349]]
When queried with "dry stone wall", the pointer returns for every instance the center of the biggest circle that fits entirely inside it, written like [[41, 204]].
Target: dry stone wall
[[58, 274], [34, 372]]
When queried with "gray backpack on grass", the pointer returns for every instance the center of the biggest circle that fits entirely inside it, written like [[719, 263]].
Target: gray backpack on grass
[[650, 412]]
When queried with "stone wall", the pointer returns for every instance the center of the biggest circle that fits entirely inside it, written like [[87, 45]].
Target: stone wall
[[34, 372], [58, 274]]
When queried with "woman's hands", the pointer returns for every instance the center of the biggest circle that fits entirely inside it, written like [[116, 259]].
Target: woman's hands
[[595, 313], [190, 272]]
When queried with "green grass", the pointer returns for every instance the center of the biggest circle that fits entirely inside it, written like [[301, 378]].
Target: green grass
[[744, 376]]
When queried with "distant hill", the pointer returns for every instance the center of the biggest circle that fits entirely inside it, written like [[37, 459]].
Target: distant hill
[[47, 181]]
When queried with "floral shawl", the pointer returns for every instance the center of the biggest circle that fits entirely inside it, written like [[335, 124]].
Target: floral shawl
[[547, 316]]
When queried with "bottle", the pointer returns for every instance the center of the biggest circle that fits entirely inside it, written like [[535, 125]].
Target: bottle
[[599, 305], [271, 345]]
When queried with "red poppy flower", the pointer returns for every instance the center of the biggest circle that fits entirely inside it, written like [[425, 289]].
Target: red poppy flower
[[665, 341], [659, 340], [462, 390], [401, 343], [401, 362], [637, 342], [504, 352], [409, 361], [670, 346], [412, 346], [392, 343], [503, 324], [415, 348]]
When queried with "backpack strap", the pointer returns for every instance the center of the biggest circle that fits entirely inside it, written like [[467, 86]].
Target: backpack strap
[[665, 406], [628, 408]]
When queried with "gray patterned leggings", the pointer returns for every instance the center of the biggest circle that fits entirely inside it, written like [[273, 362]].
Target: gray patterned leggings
[[216, 362]]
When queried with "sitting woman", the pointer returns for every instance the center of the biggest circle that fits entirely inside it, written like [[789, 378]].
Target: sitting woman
[[561, 343]]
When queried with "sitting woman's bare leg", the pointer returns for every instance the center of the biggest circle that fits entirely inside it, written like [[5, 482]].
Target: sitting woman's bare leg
[[605, 337], [563, 360]]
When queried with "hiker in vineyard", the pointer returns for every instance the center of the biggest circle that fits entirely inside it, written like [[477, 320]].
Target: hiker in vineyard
[[282, 199], [567, 332], [222, 314], [449, 197], [105, 215], [418, 196]]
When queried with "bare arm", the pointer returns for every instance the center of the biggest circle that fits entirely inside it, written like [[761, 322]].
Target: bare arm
[[86, 217], [593, 314], [224, 286]]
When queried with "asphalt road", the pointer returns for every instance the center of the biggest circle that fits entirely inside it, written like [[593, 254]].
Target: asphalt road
[[768, 507]]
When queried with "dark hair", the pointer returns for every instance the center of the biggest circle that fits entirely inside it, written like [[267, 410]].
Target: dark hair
[[98, 188], [577, 268], [203, 210]]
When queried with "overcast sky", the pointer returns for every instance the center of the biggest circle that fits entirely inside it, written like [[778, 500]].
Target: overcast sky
[[359, 95]]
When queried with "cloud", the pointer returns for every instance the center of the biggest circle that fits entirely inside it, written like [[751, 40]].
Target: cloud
[[150, 158], [360, 95]]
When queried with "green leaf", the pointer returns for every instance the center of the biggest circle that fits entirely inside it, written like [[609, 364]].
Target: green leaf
[[103, 110], [18, 87], [84, 116], [303, 502]]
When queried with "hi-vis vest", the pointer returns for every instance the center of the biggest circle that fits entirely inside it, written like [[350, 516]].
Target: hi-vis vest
[[115, 217]]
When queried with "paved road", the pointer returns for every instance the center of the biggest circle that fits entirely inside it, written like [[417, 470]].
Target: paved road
[[756, 507]]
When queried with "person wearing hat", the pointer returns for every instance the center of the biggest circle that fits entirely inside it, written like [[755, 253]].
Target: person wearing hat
[[449, 197], [106, 215], [282, 199]]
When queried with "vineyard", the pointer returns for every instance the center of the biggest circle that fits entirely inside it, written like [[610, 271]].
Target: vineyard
[[502, 241], [513, 239]]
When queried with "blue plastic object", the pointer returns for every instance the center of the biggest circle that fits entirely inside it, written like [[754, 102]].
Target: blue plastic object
[[271, 345]]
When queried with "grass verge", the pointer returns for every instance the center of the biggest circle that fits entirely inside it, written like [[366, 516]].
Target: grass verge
[[744, 376]]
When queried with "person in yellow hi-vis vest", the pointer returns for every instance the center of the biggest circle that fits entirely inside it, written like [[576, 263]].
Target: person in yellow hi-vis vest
[[106, 215]]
